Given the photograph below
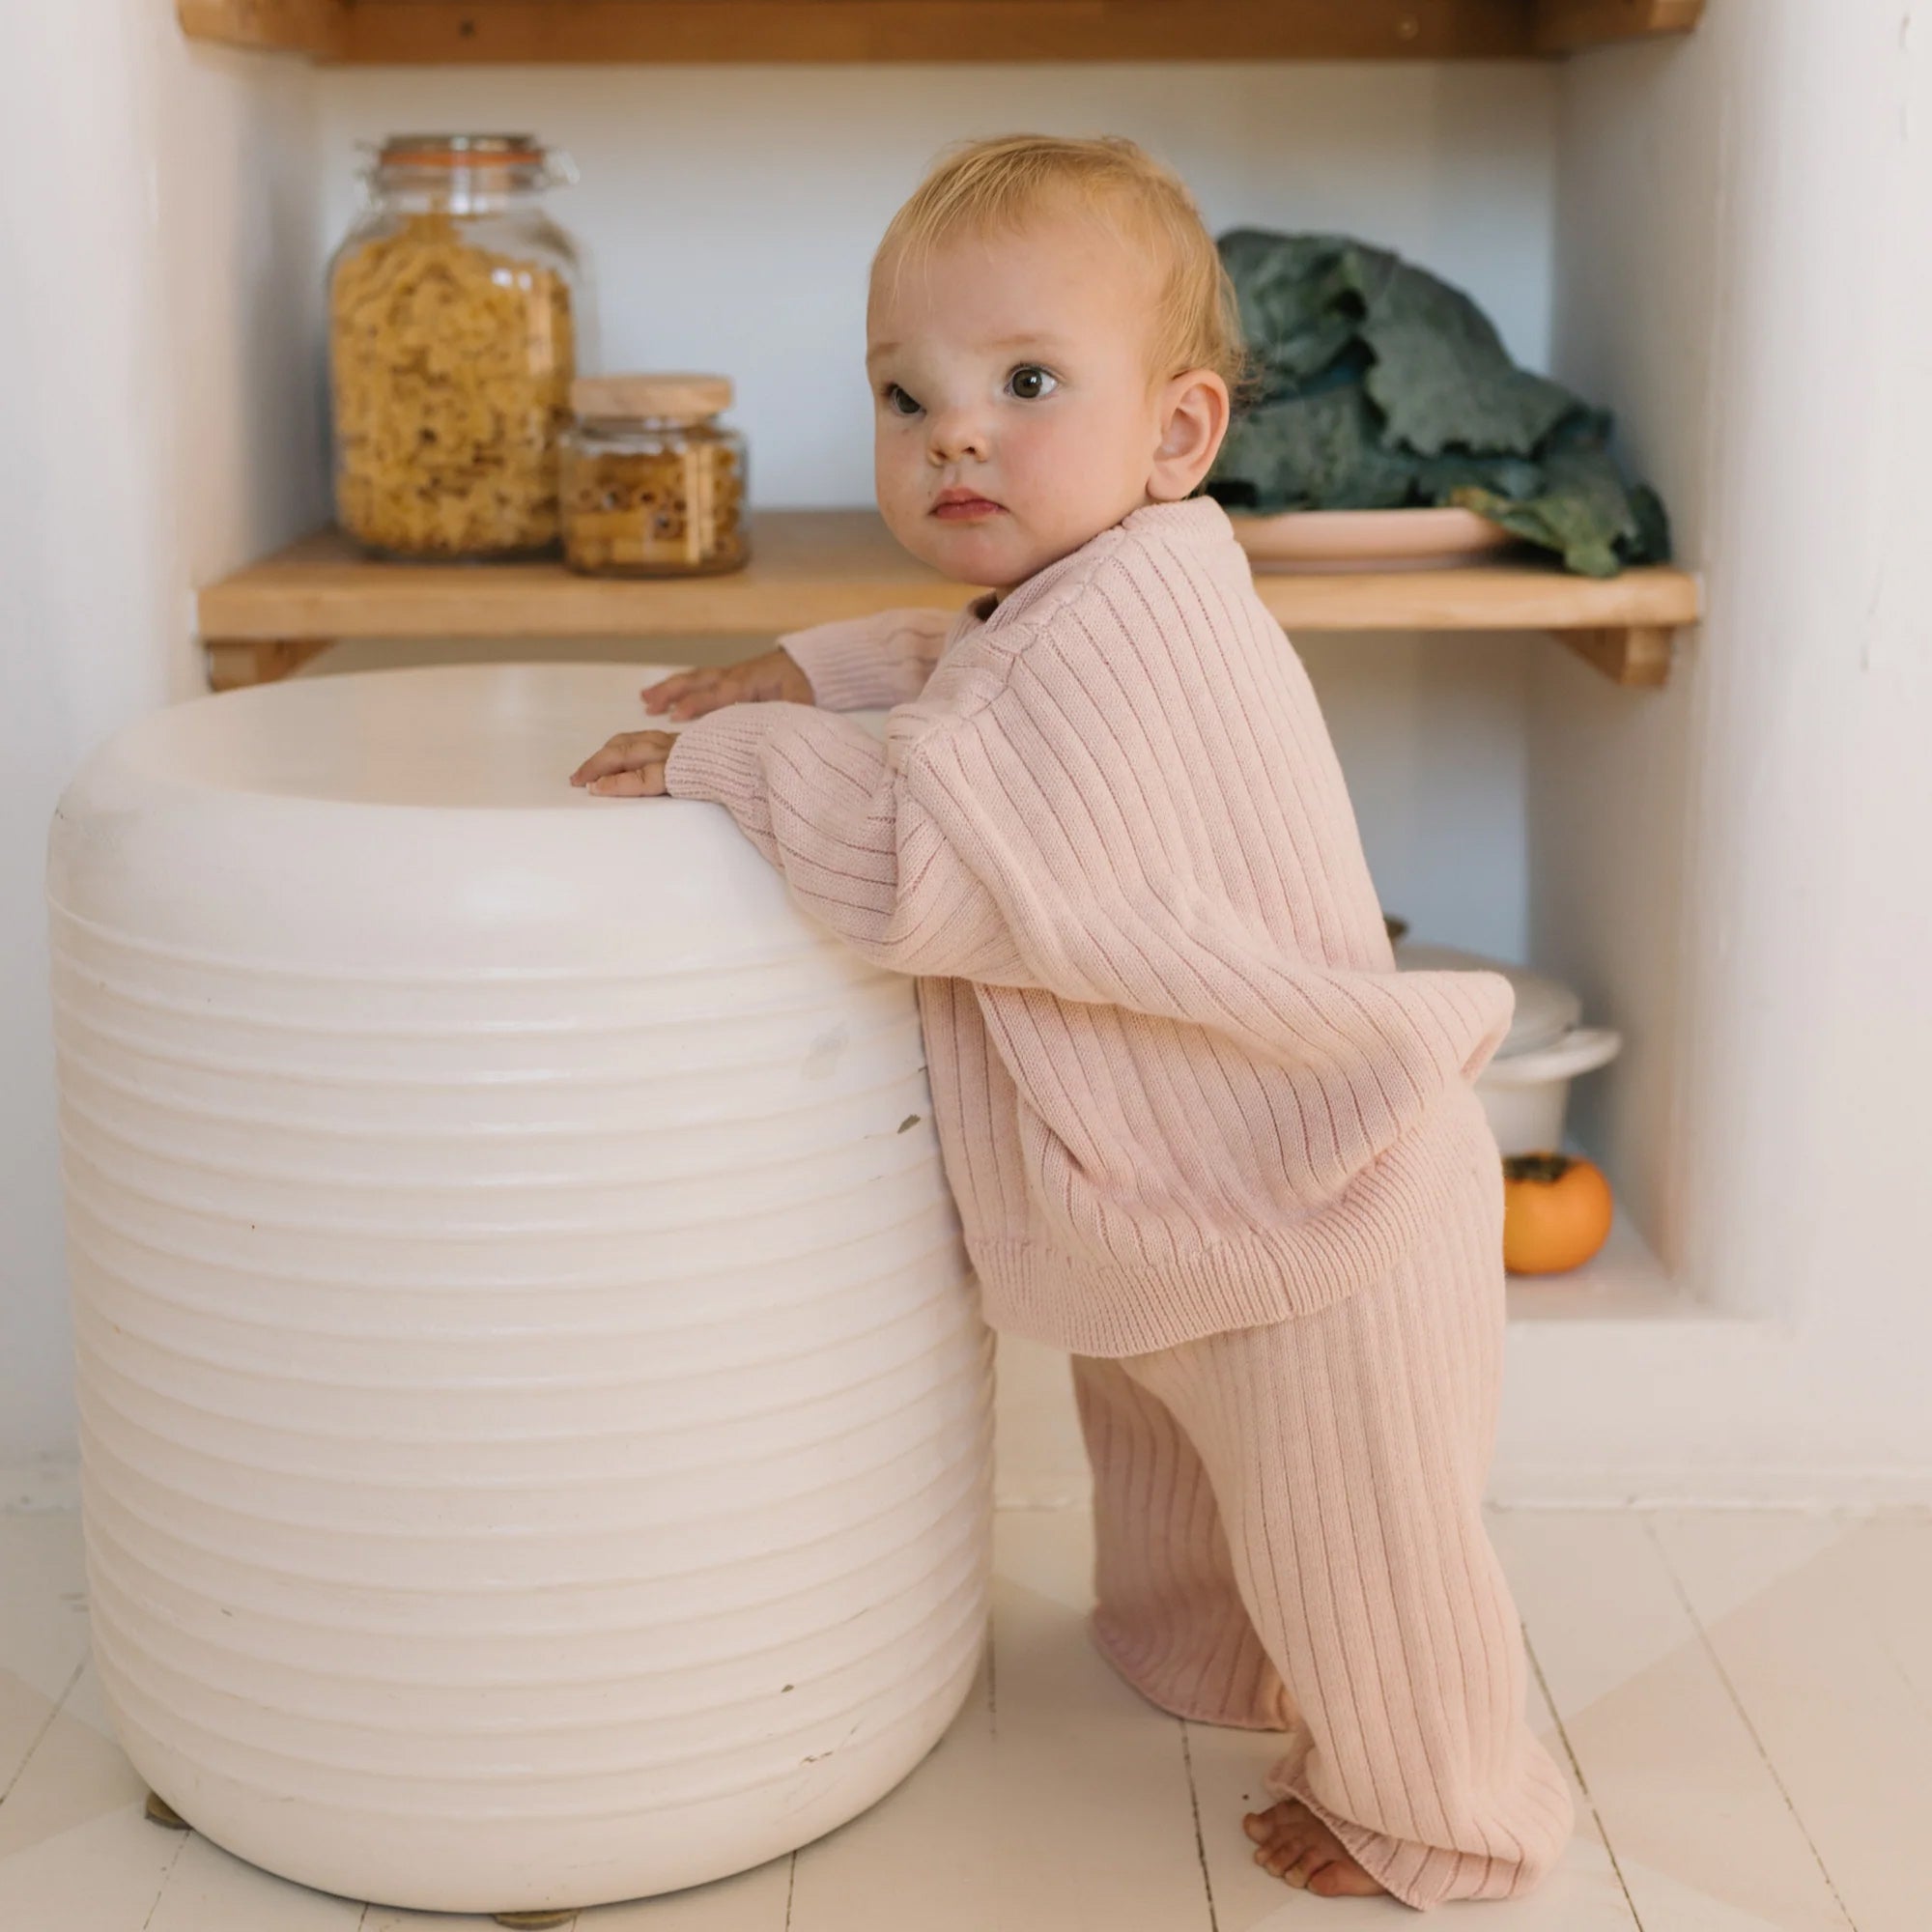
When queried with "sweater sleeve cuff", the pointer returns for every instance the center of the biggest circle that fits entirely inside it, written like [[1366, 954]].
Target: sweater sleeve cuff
[[717, 756], [842, 663]]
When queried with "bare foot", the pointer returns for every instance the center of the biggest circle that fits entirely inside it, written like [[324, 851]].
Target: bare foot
[[1297, 1846]]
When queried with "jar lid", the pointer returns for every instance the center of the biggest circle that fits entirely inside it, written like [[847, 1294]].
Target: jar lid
[[1546, 1009], [458, 151], [497, 162], [679, 396]]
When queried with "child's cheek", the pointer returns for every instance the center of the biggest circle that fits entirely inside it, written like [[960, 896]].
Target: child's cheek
[[898, 470], [1059, 460], [1037, 458]]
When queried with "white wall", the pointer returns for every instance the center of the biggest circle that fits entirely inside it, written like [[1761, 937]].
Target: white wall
[[156, 219], [1733, 255], [1645, 191], [1744, 264], [730, 213]]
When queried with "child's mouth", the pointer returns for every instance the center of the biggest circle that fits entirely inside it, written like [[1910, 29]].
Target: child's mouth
[[966, 509]]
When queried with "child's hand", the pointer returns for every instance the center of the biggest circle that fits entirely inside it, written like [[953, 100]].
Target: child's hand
[[632, 765], [771, 678]]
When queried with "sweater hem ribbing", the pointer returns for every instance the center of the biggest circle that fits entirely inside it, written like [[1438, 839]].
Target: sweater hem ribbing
[[1113, 1308]]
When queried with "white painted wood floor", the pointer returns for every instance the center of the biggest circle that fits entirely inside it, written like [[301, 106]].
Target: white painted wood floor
[[1745, 1699]]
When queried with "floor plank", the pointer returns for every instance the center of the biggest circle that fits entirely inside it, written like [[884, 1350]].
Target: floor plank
[[1828, 1660], [753, 1901], [1748, 1696], [1096, 1815], [1060, 1805], [1699, 1830], [42, 1627], [76, 1854], [211, 1890]]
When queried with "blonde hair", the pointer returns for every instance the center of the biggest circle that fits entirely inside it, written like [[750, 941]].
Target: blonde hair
[[993, 186]]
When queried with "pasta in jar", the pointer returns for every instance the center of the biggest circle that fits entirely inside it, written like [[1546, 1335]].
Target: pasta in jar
[[452, 349]]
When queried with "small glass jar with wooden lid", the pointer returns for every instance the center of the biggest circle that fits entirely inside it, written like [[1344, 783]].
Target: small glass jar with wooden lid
[[652, 484]]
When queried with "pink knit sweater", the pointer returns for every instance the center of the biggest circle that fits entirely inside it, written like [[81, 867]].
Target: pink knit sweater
[[1178, 1086]]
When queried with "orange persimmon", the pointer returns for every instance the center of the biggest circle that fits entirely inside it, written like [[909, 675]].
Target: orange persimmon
[[1556, 1212]]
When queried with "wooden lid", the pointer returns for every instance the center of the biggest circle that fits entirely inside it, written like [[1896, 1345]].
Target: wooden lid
[[680, 396], [460, 150]]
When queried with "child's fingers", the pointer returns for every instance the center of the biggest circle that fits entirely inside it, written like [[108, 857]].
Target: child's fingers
[[627, 750], [668, 690], [646, 784], [695, 693], [598, 764]]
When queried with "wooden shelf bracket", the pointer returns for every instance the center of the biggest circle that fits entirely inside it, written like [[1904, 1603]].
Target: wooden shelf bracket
[[234, 663], [1633, 654]]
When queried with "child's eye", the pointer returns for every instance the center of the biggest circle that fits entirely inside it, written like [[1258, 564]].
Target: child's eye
[[1030, 383], [893, 395]]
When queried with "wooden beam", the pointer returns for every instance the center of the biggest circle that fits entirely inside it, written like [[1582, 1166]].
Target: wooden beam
[[414, 32], [1570, 26], [313, 27]]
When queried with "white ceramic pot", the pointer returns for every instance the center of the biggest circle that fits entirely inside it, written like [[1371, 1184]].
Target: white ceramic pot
[[1525, 1088], [535, 1418]]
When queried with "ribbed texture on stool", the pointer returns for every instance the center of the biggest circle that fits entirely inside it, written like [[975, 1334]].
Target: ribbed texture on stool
[[535, 1417]]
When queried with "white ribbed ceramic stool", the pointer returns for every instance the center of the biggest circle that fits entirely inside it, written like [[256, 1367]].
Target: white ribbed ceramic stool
[[534, 1414]]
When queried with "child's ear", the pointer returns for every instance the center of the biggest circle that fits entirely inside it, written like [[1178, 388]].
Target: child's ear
[[1193, 419]]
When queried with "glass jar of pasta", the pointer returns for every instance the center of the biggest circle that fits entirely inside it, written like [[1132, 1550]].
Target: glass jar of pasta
[[457, 310], [653, 486]]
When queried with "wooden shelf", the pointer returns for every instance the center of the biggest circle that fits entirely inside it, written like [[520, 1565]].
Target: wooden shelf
[[810, 566], [434, 31]]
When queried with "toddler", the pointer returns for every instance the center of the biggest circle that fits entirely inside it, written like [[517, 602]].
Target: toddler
[[1200, 1133]]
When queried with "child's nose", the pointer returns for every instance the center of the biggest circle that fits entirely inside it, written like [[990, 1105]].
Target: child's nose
[[957, 432]]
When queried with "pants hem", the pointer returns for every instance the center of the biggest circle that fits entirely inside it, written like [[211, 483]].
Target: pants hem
[[1376, 1854], [1221, 1719]]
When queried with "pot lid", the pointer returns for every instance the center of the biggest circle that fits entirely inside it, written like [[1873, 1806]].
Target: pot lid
[[1546, 1009]]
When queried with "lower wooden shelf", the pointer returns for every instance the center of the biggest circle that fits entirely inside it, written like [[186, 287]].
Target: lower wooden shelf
[[811, 566]]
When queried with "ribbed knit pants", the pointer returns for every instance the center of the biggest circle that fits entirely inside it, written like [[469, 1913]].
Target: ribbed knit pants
[[1290, 1537]]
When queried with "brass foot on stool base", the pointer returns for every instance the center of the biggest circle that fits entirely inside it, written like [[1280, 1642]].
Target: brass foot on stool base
[[532, 1922], [164, 1813]]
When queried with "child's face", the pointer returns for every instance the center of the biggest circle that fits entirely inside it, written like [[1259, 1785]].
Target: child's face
[[1015, 367]]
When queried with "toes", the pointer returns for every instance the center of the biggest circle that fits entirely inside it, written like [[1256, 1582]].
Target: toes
[[1282, 1862], [1310, 1861], [1295, 1846], [1340, 1880]]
